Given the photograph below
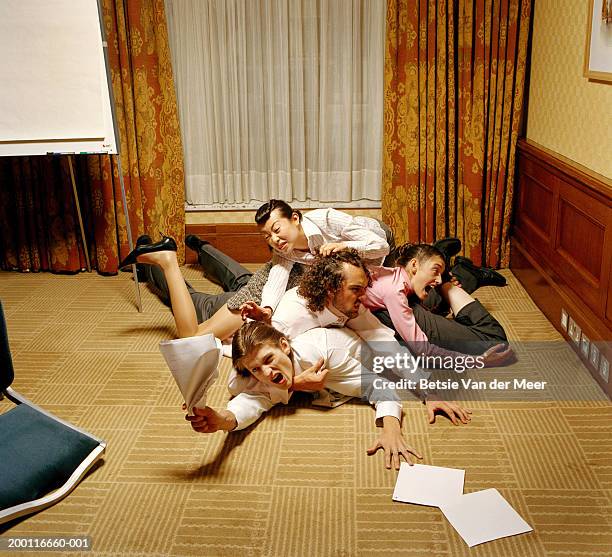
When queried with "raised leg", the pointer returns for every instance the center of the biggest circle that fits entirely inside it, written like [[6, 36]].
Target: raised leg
[[180, 300], [206, 305]]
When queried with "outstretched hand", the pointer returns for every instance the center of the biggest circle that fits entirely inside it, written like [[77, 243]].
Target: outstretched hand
[[456, 414], [499, 355], [250, 310], [207, 420], [392, 442], [312, 378]]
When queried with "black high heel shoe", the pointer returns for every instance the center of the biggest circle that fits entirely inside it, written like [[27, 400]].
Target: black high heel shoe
[[165, 244]]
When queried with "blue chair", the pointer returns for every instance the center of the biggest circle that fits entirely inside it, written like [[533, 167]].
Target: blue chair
[[42, 458]]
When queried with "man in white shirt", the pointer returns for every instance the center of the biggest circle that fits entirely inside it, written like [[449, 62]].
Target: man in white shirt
[[343, 307], [267, 363], [268, 374]]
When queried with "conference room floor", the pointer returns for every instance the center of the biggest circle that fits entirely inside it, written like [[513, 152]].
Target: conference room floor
[[299, 481]]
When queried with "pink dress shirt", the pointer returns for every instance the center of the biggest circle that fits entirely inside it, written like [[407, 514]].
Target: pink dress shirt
[[390, 290]]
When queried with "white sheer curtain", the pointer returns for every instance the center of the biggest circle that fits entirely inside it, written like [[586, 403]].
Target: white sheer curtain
[[279, 98]]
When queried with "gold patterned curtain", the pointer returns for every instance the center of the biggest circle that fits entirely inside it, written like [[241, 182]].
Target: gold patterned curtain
[[38, 219], [454, 81]]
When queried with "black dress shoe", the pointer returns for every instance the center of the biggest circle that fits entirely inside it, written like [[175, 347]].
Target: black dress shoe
[[166, 244], [484, 275], [448, 247], [194, 243]]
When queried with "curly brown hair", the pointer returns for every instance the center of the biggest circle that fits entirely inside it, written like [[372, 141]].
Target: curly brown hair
[[325, 275]]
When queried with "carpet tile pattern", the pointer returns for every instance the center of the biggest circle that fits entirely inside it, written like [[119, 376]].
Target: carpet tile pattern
[[299, 482]]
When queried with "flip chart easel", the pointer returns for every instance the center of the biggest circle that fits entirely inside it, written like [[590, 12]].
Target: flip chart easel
[[57, 96]]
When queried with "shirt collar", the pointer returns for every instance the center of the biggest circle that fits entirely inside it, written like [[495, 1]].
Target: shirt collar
[[330, 318], [313, 234], [406, 280]]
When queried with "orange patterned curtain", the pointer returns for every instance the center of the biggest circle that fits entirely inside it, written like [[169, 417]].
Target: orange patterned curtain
[[38, 219], [454, 81]]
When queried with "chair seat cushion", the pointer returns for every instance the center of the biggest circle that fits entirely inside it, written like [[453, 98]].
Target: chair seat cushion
[[37, 454]]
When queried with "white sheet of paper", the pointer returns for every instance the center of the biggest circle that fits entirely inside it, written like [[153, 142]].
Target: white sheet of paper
[[484, 516], [428, 485], [193, 362]]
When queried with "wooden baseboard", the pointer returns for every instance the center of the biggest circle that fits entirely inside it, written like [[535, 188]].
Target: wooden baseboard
[[552, 295], [240, 241]]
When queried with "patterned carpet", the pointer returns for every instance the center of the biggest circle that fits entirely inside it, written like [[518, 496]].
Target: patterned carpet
[[299, 482]]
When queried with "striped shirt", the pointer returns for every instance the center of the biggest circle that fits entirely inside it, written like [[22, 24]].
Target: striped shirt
[[323, 226]]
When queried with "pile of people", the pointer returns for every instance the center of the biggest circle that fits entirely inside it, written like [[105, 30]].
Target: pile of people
[[336, 294]]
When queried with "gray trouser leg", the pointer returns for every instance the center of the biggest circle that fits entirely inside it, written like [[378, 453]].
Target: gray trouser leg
[[222, 269], [205, 304]]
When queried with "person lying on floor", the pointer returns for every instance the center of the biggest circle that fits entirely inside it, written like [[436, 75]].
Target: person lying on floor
[[274, 366], [418, 269], [290, 234], [350, 279], [220, 315], [266, 363], [296, 238], [331, 293]]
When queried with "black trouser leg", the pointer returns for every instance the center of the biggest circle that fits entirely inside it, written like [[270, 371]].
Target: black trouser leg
[[473, 331]]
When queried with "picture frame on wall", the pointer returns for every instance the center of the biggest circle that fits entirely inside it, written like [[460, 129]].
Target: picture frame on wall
[[598, 51]]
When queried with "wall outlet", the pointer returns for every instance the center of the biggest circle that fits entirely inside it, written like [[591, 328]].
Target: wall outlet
[[577, 334], [604, 369], [585, 344], [564, 319], [594, 357]]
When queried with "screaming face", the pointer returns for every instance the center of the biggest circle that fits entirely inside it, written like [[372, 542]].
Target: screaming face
[[425, 275], [271, 364]]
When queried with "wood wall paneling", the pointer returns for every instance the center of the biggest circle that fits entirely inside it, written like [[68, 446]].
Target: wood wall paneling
[[241, 241], [535, 210], [562, 243]]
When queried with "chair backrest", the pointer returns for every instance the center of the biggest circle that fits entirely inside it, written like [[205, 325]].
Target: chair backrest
[[7, 374]]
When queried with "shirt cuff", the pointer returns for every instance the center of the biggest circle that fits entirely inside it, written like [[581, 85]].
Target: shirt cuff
[[388, 408], [245, 415]]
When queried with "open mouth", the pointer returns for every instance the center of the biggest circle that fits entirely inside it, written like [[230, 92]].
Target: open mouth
[[277, 378], [428, 288]]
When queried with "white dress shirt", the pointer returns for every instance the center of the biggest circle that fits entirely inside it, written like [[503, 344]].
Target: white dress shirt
[[340, 348], [323, 226], [293, 318], [342, 352]]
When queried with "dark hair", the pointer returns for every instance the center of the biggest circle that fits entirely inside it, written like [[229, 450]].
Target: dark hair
[[264, 212], [326, 275], [420, 252], [250, 336]]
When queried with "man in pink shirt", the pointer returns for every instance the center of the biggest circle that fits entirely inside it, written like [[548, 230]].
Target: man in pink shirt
[[418, 270]]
